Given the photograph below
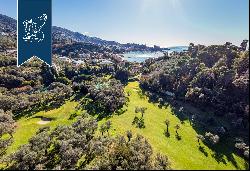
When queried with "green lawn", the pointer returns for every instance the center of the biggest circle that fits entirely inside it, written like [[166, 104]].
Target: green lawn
[[27, 126], [183, 154]]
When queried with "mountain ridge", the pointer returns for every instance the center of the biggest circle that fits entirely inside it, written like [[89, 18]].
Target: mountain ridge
[[63, 33], [9, 25], [59, 34]]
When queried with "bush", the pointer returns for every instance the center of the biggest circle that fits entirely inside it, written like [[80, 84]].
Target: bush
[[139, 122], [212, 138], [107, 95]]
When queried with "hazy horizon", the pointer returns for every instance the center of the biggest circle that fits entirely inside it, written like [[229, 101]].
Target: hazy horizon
[[152, 22]]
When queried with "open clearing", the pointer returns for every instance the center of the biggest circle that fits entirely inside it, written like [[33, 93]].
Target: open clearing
[[183, 154], [27, 126]]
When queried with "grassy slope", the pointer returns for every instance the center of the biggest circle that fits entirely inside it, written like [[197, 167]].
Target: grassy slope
[[27, 127], [184, 154]]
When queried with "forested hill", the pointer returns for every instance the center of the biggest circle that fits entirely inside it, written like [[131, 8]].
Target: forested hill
[[64, 34], [216, 76], [61, 35], [7, 24]]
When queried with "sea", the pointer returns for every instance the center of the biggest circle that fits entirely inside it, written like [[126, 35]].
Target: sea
[[140, 56]]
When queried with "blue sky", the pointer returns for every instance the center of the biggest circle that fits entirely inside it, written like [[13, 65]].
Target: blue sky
[[161, 22]]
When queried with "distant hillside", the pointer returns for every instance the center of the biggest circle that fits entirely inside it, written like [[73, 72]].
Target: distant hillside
[[59, 33], [7, 24]]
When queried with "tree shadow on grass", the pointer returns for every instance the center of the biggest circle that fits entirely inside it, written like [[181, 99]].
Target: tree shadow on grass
[[219, 157], [202, 149], [177, 110], [73, 115], [141, 93], [120, 111], [93, 109], [33, 110], [167, 134], [43, 118], [178, 137], [222, 152], [246, 165], [27, 113]]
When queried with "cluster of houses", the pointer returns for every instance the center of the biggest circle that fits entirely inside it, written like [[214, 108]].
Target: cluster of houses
[[83, 61], [92, 58], [101, 59]]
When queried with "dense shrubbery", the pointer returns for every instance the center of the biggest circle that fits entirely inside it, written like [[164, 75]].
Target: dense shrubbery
[[7, 128], [107, 95], [7, 42], [139, 122], [213, 76], [214, 79], [7, 61], [243, 148], [31, 87], [30, 99], [14, 77], [74, 147], [122, 74]]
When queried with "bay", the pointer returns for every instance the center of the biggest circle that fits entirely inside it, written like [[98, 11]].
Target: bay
[[141, 56]]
